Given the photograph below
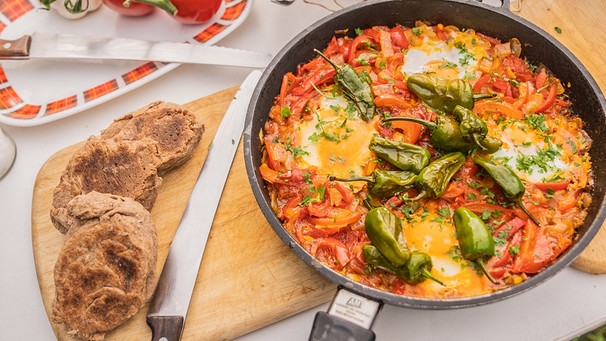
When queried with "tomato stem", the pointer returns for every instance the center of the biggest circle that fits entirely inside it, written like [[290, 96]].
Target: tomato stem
[[165, 5]]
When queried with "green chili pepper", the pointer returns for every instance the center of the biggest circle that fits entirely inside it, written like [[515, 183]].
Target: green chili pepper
[[512, 186], [445, 132], [434, 178], [475, 241], [416, 270], [405, 156], [419, 267], [384, 183], [446, 135], [443, 94], [473, 129], [356, 86], [490, 144], [384, 229]]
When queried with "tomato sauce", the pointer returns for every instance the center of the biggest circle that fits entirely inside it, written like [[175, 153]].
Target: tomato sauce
[[315, 140]]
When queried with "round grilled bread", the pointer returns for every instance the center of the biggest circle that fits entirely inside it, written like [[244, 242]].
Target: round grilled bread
[[105, 270], [125, 168], [172, 127]]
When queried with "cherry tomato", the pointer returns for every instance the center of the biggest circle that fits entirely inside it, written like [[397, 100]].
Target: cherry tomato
[[133, 9], [195, 11]]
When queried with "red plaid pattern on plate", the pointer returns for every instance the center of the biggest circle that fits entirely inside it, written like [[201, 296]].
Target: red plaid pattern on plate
[[14, 9]]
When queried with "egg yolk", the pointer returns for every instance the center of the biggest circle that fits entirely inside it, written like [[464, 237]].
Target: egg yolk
[[336, 141], [437, 236]]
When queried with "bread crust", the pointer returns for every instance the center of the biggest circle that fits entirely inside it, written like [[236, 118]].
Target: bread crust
[[105, 271], [125, 168], [172, 127]]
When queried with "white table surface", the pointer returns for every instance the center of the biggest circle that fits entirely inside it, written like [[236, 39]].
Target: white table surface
[[567, 302]]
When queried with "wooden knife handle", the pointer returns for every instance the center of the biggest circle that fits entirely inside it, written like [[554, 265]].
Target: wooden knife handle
[[15, 49], [168, 327]]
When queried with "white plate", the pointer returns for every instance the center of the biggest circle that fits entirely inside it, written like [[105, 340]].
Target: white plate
[[37, 92]]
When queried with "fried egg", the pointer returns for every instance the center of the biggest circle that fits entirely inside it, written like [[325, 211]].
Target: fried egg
[[336, 140], [534, 158], [455, 58], [436, 235]]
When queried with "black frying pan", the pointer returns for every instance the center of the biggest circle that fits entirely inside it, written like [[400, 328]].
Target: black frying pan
[[538, 47]]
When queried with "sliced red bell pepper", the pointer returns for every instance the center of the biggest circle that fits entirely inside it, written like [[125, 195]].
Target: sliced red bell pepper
[[504, 108], [554, 186], [410, 131], [392, 100], [291, 211], [318, 77], [319, 209], [334, 252], [511, 227], [481, 207], [536, 250], [385, 43], [346, 193], [523, 92], [499, 265], [269, 174], [398, 37], [336, 217], [278, 158], [541, 79], [356, 45], [549, 100], [455, 189], [482, 81], [289, 80], [298, 105]]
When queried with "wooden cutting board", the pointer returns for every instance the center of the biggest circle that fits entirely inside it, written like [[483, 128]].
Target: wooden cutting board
[[248, 278]]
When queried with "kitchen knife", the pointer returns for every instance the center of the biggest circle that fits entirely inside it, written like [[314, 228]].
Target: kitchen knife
[[53, 46], [168, 308]]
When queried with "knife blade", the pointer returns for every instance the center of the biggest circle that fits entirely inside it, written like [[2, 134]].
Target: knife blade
[[169, 305], [52, 46]]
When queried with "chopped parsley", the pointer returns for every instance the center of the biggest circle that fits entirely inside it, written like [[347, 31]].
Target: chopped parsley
[[541, 160], [296, 151], [514, 250], [285, 112], [572, 144], [537, 121], [320, 196], [334, 158], [307, 177], [308, 199], [531, 66], [466, 55], [448, 65]]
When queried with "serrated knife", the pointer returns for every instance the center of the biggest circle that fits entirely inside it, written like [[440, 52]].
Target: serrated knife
[[169, 305], [52, 46]]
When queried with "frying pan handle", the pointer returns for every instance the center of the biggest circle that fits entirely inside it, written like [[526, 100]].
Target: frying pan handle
[[506, 5], [331, 328], [511, 5], [349, 318]]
